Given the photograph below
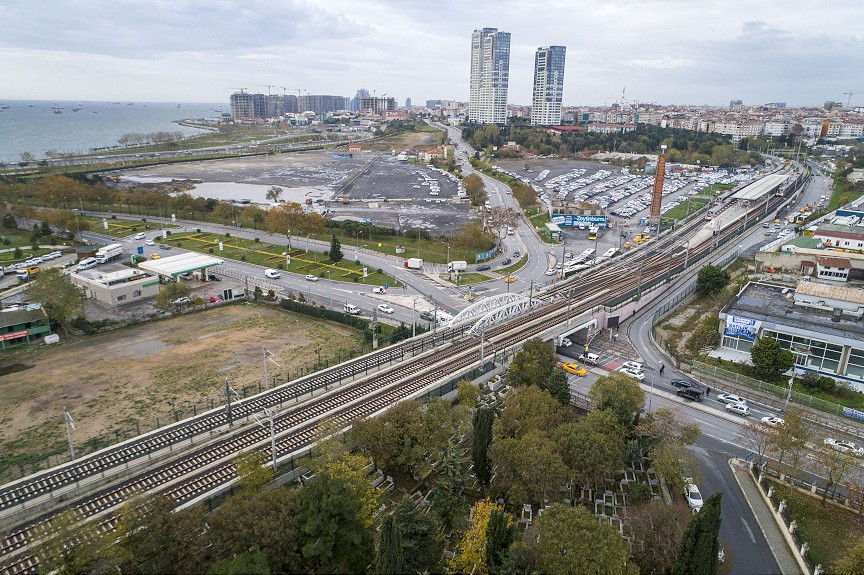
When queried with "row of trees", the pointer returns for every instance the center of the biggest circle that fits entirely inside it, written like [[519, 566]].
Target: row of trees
[[133, 139]]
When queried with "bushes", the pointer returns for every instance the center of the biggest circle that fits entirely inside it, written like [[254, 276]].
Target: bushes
[[280, 266]]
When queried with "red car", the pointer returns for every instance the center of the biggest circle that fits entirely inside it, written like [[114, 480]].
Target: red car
[[215, 299]]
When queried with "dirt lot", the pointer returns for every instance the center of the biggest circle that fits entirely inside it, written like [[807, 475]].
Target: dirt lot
[[112, 381]]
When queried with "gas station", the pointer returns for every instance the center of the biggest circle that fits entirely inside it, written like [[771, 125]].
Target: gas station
[[168, 268]]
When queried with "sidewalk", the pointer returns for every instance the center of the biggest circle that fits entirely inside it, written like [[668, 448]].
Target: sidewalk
[[765, 517]]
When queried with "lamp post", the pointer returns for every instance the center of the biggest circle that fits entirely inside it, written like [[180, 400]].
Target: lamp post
[[271, 415], [413, 321]]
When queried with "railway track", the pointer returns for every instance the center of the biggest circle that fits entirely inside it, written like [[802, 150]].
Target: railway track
[[194, 474]]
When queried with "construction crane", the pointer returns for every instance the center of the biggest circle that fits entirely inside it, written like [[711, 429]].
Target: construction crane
[[299, 95], [268, 86], [850, 93], [242, 90]]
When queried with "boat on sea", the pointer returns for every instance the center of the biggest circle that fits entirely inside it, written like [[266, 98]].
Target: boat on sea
[[57, 109]]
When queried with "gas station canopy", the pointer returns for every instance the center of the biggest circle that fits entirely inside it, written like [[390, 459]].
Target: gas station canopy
[[179, 264]]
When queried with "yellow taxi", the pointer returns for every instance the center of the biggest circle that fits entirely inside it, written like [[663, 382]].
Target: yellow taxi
[[627, 245], [574, 368], [154, 256]]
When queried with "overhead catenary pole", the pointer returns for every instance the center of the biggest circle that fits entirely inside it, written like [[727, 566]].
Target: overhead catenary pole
[[228, 401]]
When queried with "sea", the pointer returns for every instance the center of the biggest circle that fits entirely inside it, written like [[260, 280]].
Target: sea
[[80, 127]]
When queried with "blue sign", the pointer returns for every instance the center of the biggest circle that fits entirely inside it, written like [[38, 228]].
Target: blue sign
[[386, 285], [853, 413], [140, 250], [742, 327], [571, 220], [367, 220]]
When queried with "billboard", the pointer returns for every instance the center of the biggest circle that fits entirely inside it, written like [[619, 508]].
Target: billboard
[[570, 220], [743, 327]]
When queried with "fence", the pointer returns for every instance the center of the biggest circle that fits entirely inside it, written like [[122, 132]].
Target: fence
[[788, 524]]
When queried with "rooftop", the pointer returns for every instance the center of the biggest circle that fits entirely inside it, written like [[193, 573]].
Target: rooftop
[[22, 314], [831, 262], [759, 188], [767, 302], [820, 290], [181, 263]]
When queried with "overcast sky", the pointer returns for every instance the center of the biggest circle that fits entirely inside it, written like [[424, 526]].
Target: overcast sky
[[669, 52]]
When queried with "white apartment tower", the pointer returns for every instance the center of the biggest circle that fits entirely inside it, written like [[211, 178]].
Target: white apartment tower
[[548, 86], [490, 76]]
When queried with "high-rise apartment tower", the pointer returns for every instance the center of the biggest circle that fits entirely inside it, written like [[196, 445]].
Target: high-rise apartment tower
[[548, 86], [490, 76]]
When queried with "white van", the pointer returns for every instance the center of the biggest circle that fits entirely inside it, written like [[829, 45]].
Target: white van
[[86, 264], [591, 358], [272, 274], [352, 309]]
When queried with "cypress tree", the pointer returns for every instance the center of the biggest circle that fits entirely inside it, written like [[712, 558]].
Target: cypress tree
[[483, 419], [335, 250], [390, 559], [697, 554], [499, 537]]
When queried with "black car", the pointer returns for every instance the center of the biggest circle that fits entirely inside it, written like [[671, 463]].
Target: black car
[[427, 315], [692, 393], [164, 247], [214, 278], [507, 262], [483, 268], [516, 254], [683, 383]]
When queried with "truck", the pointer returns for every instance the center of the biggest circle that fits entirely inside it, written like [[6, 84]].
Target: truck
[[352, 309], [108, 253], [26, 274], [457, 266], [414, 263]]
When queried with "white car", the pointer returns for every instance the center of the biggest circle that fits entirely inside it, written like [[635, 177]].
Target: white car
[[150, 243], [634, 365], [730, 398], [692, 494], [551, 272], [739, 408], [378, 289], [565, 342], [272, 274], [311, 278], [383, 307], [139, 236], [632, 373], [844, 446], [772, 421]]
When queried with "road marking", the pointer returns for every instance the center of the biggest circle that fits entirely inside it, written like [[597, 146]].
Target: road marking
[[747, 527]]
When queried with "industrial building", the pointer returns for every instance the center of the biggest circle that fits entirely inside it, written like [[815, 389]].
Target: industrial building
[[830, 252], [548, 86], [114, 289], [490, 76], [23, 324], [820, 324]]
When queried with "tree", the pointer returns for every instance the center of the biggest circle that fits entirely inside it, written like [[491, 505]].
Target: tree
[[241, 564], [618, 393], [254, 214], [62, 301], [527, 409], [390, 560], [413, 546], [769, 359], [448, 502], [659, 528], [274, 193], [483, 420], [592, 448], [558, 386], [265, 522], [335, 253], [467, 394], [711, 279], [499, 538], [471, 549], [835, 465], [333, 536], [754, 436], [254, 470], [528, 469], [475, 189], [571, 540], [790, 439], [225, 212], [501, 217], [68, 545], [533, 364], [665, 435], [697, 554], [394, 438], [852, 562], [170, 294]]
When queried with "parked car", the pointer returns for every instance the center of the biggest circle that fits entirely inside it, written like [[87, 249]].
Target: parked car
[[383, 307], [692, 393], [182, 301], [574, 368], [378, 289], [632, 373], [214, 278], [634, 365], [682, 383], [483, 268], [150, 243], [427, 315], [692, 494], [565, 342], [215, 299], [772, 421], [164, 247], [186, 276], [311, 278], [730, 398], [844, 446], [739, 408], [139, 236]]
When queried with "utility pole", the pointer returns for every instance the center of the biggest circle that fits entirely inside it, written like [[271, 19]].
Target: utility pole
[[228, 401], [374, 326], [413, 320], [268, 357], [70, 426], [271, 415], [531, 294]]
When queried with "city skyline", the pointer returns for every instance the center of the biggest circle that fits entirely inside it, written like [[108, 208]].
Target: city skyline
[[671, 53]]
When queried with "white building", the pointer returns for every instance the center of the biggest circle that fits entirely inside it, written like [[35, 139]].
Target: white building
[[548, 86], [490, 76]]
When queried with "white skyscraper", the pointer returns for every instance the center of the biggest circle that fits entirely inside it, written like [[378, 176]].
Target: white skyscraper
[[490, 76], [548, 86]]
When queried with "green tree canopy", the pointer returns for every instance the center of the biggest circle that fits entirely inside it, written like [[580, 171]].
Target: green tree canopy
[[169, 294], [533, 364], [593, 447], [483, 420], [711, 279], [620, 394], [62, 301], [413, 546], [527, 409], [697, 554], [335, 253], [769, 359]]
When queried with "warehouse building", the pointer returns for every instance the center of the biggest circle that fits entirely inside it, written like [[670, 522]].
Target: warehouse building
[[23, 324], [117, 288]]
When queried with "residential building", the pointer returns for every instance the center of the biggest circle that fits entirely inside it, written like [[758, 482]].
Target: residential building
[[23, 324], [548, 86], [377, 106], [490, 76], [322, 104], [242, 105], [354, 105]]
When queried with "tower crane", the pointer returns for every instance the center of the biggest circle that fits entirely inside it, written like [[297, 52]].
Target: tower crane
[[850, 93]]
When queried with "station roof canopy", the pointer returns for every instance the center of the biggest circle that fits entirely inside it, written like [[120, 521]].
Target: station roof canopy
[[760, 187], [181, 263]]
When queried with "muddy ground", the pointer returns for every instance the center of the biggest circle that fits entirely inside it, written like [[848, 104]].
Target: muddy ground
[[112, 381]]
